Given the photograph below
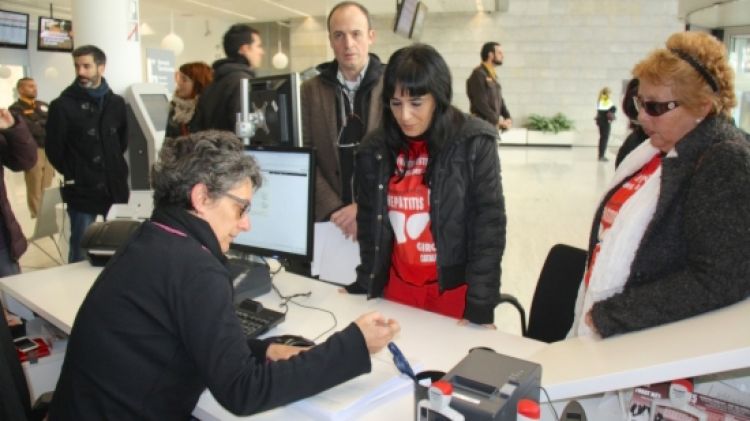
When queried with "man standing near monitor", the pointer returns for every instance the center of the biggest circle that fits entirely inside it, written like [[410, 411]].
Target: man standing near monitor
[[39, 177], [221, 101], [484, 91], [86, 143], [340, 106]]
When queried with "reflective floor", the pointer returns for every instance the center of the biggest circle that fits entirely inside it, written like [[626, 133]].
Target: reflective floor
[[550, 196]]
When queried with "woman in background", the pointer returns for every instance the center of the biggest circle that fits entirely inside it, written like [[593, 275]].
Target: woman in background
[[605, 113], [670, 238], [191, 80], [637, 135], [431, 219]]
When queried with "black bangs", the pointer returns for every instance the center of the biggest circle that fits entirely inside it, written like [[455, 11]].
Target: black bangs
[[418, 70]]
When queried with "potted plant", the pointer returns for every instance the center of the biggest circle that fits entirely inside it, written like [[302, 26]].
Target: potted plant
[[555, 130]]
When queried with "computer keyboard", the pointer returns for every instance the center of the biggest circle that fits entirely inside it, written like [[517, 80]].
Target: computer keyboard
[[256, 319]]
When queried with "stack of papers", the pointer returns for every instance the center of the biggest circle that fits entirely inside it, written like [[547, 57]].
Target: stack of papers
[[350, 399]]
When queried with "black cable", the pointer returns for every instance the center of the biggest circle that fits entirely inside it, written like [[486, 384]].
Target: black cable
[[549, 402], [286, 299]]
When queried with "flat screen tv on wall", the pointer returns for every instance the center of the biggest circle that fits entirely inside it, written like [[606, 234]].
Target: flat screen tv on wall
[[55, 34], [14, 29]]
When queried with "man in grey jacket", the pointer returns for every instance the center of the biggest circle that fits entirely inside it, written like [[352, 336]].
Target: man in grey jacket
[[340, 106]]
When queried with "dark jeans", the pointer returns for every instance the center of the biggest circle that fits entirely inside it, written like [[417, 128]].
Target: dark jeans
[[79, 221], [604, 128], [8, 266]]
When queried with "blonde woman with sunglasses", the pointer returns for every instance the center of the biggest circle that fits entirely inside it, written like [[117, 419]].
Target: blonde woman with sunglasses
[[671, 237]]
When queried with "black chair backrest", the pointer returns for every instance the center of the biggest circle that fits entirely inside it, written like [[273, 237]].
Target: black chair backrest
[[552, 308], [15, 400]]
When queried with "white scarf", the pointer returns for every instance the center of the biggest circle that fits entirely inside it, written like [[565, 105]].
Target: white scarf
[[619, 245], [183, 109]]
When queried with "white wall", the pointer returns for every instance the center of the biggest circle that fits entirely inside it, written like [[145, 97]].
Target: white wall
[[558, 53]]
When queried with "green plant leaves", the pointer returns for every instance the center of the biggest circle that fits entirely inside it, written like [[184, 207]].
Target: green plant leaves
[[556, 123]]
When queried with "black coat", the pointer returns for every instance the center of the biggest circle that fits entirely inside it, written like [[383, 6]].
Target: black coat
[[86, 142], [467, 211], [158, 327], [219, 104], [695, 253]]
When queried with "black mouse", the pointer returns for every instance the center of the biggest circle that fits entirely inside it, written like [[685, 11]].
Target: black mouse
[[292, 340]]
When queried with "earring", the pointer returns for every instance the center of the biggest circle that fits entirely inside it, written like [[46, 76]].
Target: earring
[[698, 120]]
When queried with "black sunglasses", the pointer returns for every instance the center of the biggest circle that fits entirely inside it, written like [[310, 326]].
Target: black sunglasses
[[654, 108]]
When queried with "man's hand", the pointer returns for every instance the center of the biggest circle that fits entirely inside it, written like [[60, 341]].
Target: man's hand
[[377, 330], [505, 124], [7, 120], [346, 219], [464, 322], [276, 352]]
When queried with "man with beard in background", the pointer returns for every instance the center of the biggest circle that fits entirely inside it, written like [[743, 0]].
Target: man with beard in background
[[484, 91], [86, 142]]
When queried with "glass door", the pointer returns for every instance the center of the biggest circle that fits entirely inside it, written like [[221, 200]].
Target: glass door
[[739, 56]]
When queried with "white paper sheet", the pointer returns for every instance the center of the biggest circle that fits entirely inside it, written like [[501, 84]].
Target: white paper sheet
[[335, 258]]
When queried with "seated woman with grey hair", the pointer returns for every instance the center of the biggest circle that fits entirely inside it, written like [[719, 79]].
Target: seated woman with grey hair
[[158, 326]]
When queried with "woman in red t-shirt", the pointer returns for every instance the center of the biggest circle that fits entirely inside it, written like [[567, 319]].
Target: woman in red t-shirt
[[431, 216]]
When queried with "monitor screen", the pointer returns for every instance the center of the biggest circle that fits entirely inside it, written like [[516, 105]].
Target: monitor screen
[[410, 18], [14, 29], [55, 34], [281, 215], [157, 108], [278, 97]]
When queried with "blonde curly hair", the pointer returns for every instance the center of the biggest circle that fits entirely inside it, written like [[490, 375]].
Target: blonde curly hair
[[692, 64]]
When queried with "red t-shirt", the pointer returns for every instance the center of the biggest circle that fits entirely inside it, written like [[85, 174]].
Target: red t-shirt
[[615, 203], [413, 274]]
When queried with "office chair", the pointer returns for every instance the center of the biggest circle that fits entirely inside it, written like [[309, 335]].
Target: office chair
[[552, 308], [15, 399], [46, 222]]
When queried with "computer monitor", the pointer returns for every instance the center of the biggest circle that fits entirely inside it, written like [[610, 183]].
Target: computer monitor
[[149, 103], [281, 215], [410, 15], [14, 29], [278, 97]]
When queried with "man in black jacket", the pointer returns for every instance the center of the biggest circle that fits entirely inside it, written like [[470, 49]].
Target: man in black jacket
[[219, 104], [86, 142], [34, 112]]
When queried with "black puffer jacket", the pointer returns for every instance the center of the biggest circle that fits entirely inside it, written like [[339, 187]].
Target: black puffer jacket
[[467, 211], [219, 104], [86, 142]]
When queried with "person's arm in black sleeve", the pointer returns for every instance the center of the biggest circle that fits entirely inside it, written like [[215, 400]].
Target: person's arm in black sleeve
[[57, 129], [242, 381], [717, 273], [367, 173], [488, 232], [475, 88]]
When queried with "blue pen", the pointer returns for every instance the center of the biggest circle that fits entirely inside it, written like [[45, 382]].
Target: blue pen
[[401, 363]]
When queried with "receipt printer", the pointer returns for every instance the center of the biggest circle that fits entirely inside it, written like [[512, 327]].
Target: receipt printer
[[488, 385]]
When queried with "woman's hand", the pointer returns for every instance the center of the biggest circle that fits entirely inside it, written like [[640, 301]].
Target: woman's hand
[[590, 322], [464, 322], [277, 352]]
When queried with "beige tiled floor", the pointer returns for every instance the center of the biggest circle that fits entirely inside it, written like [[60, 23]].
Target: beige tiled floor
[[550, 197]]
